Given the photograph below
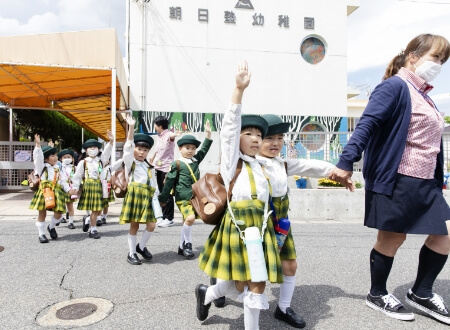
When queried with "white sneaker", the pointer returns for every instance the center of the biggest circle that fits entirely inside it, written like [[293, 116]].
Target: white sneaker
[[159, 221], [166, 223]]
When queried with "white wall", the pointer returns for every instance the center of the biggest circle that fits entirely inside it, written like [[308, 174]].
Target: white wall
[[190, 66]]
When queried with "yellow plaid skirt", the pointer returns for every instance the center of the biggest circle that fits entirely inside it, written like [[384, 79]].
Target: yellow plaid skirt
[[186, 209], [91, 196], [281, 209], [224, 255], [38, 203], [110, 199], [137, 205]]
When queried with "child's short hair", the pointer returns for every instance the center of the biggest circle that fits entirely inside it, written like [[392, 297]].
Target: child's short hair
[[161, 121], [143, 144]]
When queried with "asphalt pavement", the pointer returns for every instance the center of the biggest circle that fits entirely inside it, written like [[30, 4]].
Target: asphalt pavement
[[331, 282]]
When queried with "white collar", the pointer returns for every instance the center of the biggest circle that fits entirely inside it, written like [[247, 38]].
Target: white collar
[[268, 162], [91, 159], [187, 160], [247, 158]]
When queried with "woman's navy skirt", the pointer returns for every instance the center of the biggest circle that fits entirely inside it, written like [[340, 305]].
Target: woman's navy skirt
[[416, 206]]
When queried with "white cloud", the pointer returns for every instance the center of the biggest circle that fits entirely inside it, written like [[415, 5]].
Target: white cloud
[[380, 29]]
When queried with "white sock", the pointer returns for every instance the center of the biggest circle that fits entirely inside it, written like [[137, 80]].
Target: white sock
[[132, 243], [93, 228], [104, 216], [221, 289], [144, 239], [70, 219], [187, 233], [182, 237], [54, 222], [253, 303], [286, 292], [41, 227], [251, 318], [87, 220]]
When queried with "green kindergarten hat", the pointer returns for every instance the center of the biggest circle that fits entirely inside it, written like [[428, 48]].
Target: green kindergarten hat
[[141, 137], [47, 150], [255, 121], [65, 152], [91, 143], [188, 139], [276, 125]]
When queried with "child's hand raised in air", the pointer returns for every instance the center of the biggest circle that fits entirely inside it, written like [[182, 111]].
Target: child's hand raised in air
[[51, 144], [242, 76], [130, 120], [37, 140], [110, 135], [208, 129]]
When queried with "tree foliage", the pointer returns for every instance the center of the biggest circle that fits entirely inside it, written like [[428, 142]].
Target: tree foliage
[[49, 125]]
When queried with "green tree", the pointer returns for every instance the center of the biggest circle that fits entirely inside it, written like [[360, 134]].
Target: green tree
[[49, 125], [447, 119]]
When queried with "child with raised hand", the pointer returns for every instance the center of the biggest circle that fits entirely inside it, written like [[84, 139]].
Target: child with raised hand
[[89, 170], [67, 159], [278, 170], [224, 255], [47, 168], [182, 174], [142, 185]]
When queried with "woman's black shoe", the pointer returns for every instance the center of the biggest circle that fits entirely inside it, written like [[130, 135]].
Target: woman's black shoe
[[71, 226], [43, 239], [219, 302], [94, 234], [290, 317], [134, 259], [63, 220], [144, 253], [202, 309], [52, 232]]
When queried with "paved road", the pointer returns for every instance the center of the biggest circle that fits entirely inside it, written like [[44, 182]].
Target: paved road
[[332, 279]]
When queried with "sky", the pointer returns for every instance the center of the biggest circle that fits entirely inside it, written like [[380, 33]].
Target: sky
[[376, 31]]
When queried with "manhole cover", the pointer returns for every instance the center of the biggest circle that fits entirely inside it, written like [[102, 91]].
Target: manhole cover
[[1, 248], [76, 311]]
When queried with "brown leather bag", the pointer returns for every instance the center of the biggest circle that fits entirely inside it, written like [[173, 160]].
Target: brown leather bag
[[34, 180], [209, 196], [119, 182]]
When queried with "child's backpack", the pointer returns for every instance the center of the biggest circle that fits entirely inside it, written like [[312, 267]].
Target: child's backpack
[[209, 196]]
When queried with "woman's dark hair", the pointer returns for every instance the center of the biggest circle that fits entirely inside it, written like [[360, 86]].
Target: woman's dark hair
[[161, 121], [418, 46], [142, 144]]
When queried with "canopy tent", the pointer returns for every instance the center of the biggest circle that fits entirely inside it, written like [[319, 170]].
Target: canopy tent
[[81, 74]]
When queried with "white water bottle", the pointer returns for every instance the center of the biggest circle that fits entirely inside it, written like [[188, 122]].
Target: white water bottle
[[255, 253]]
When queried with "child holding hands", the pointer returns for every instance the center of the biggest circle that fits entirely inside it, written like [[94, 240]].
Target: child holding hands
[[224, 255], [182, 174], [47, 168], [137, 205]]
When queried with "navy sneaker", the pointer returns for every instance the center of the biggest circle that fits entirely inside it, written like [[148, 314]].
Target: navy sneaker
[[390, 306], [433, 306]]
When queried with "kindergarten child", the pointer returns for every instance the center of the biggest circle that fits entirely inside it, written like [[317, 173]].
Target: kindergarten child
[[278, 170], [182, 174], [89, 170], [47, 168], [137, 205], [106, 176], [224, 255], [67, 159]]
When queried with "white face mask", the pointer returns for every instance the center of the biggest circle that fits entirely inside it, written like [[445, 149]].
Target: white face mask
[[428, 70], [92, 152], [67, 161]]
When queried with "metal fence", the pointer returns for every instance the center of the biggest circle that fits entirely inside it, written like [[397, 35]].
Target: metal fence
[[308, 145]]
